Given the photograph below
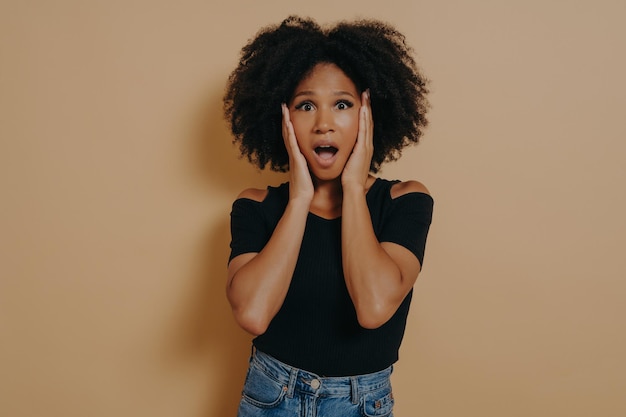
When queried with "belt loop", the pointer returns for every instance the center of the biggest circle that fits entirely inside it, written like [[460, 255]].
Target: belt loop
[[354, 384], [293, 376]]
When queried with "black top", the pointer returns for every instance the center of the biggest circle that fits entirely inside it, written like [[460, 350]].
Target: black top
[[316, 328]]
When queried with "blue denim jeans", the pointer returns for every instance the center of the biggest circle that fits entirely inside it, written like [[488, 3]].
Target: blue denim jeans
[[274, 389]]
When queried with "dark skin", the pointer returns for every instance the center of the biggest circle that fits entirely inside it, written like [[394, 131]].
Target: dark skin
[[328, 133]]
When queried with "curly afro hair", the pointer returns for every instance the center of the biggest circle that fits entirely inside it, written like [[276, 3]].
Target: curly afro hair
[[371, 53]]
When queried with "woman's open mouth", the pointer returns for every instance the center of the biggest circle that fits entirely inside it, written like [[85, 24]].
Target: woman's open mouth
[[326, 153]]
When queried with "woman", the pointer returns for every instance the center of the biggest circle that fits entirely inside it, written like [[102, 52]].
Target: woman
[[322, 267]]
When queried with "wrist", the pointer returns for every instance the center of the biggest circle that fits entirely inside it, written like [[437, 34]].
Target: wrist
[[353, 189], [300, 202]]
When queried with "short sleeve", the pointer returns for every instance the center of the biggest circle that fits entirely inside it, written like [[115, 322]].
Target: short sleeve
[[248, 228], [408, 222]]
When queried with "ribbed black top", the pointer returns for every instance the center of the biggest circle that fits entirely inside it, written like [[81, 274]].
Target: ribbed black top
[[316, 328]]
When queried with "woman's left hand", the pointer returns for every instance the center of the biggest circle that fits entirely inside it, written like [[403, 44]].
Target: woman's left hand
[[357, 168]]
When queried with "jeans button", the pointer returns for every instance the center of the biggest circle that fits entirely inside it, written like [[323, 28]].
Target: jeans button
[[315, 384]]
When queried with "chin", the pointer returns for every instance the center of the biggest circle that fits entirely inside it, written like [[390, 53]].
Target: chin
[[327, 175]]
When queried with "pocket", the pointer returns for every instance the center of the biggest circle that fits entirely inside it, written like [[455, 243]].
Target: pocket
[[378, 403], [261, 390]]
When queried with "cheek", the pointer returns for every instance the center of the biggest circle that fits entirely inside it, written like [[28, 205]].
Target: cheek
[[299, 126], [349, 122]]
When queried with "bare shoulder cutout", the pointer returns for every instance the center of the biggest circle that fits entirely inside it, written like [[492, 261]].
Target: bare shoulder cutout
[[401, 188], [254, 194]]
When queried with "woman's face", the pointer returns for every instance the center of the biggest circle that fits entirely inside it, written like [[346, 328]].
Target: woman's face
[[324, 111]]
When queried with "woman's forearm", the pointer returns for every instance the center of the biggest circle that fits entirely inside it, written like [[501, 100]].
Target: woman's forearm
[[373, 278], [258, 283]]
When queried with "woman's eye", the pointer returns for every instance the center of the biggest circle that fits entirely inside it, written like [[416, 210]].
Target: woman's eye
[[305, 106], [344, 105]]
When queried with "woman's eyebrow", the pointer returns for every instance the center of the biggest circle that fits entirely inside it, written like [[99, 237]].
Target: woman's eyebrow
[[343, 93], [304, 93], [312, 93]]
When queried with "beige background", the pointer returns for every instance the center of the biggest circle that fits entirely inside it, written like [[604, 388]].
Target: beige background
[[117, 175]]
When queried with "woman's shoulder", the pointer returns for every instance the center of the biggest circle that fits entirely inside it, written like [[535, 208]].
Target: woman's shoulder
[[260, 194], [399, 188], [399, 200], [254, 194], [406, 187]]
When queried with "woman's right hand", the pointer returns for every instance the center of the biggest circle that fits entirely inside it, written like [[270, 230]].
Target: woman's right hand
[[300, 182]]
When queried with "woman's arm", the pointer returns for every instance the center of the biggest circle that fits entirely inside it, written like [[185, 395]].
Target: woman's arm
[[378, 275], [258, 282]]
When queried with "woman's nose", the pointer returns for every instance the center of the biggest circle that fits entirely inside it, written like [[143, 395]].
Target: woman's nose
[[324, 121]]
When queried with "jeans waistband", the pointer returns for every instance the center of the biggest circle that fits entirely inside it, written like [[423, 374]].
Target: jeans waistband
[[301, 381]]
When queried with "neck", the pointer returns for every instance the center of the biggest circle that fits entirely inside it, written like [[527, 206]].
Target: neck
[[327, 198], [330, 189]]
